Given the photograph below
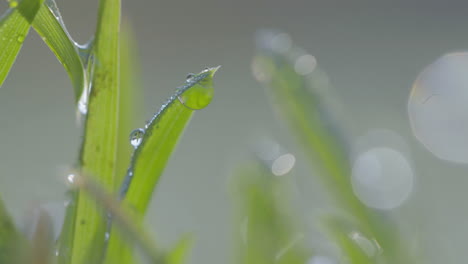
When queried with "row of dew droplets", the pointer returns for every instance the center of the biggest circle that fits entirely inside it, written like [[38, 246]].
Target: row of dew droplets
[[19, 37], [196, 94]]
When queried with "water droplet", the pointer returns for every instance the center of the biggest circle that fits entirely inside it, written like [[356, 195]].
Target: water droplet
[[13, 3], [136, 137], [368, 246], [20, 38], [283, 164], [321, 260], [71, 178], [200, 93], [56, 252], [305, 64], [438, 108], [83, 104], [107, 236], [189, 77], [382, 178]]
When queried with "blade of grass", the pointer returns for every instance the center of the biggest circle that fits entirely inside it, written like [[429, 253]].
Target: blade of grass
[[14, 27], [42, 241], [12, 244], [119, 249], [266, 227], [98, 153], [122, 217], [159, 139], [49, 26], [154, 148], [304, 109]]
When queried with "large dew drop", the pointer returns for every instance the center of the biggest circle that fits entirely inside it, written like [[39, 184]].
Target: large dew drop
[[136, 137], [382, 178], [438, 107], [201, 89]]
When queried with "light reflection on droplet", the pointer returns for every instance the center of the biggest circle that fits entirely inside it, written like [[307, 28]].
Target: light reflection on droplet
[[321, 260], [136, 137], [382, 178], [71, 178], [368, 246], [281, 42], [438, 107], [305, 64], [283, 164]]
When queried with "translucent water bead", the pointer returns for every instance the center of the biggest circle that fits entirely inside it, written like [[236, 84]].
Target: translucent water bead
[[382, 178], [438, 107]]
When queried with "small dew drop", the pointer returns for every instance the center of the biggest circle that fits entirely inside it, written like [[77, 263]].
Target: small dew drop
[[136, 137], [370, 247], [283, 164], [107, 236], [20, 38], [71, 178], [189, 77], [305, 64], [56, 252]]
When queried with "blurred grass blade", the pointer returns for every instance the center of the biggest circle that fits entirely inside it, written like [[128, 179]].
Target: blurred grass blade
[[43, 239], [304, 110], [50, 27], [14, 27], [123, 218], [266, 228], [155, 143], [180, 252], [12, 243], [119, 250], [297, 92], [98, 153]]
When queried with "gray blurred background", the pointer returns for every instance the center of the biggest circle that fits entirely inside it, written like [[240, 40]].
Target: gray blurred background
[[371, 50]]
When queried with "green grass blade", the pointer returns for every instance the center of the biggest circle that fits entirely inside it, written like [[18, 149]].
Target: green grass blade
[[14, 26], [49, 26], [125, 222], [99, 150], [119, 249], [266, 227], [11, 242], [179, 253], [305, 110], [153, 147], [159, 137]]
